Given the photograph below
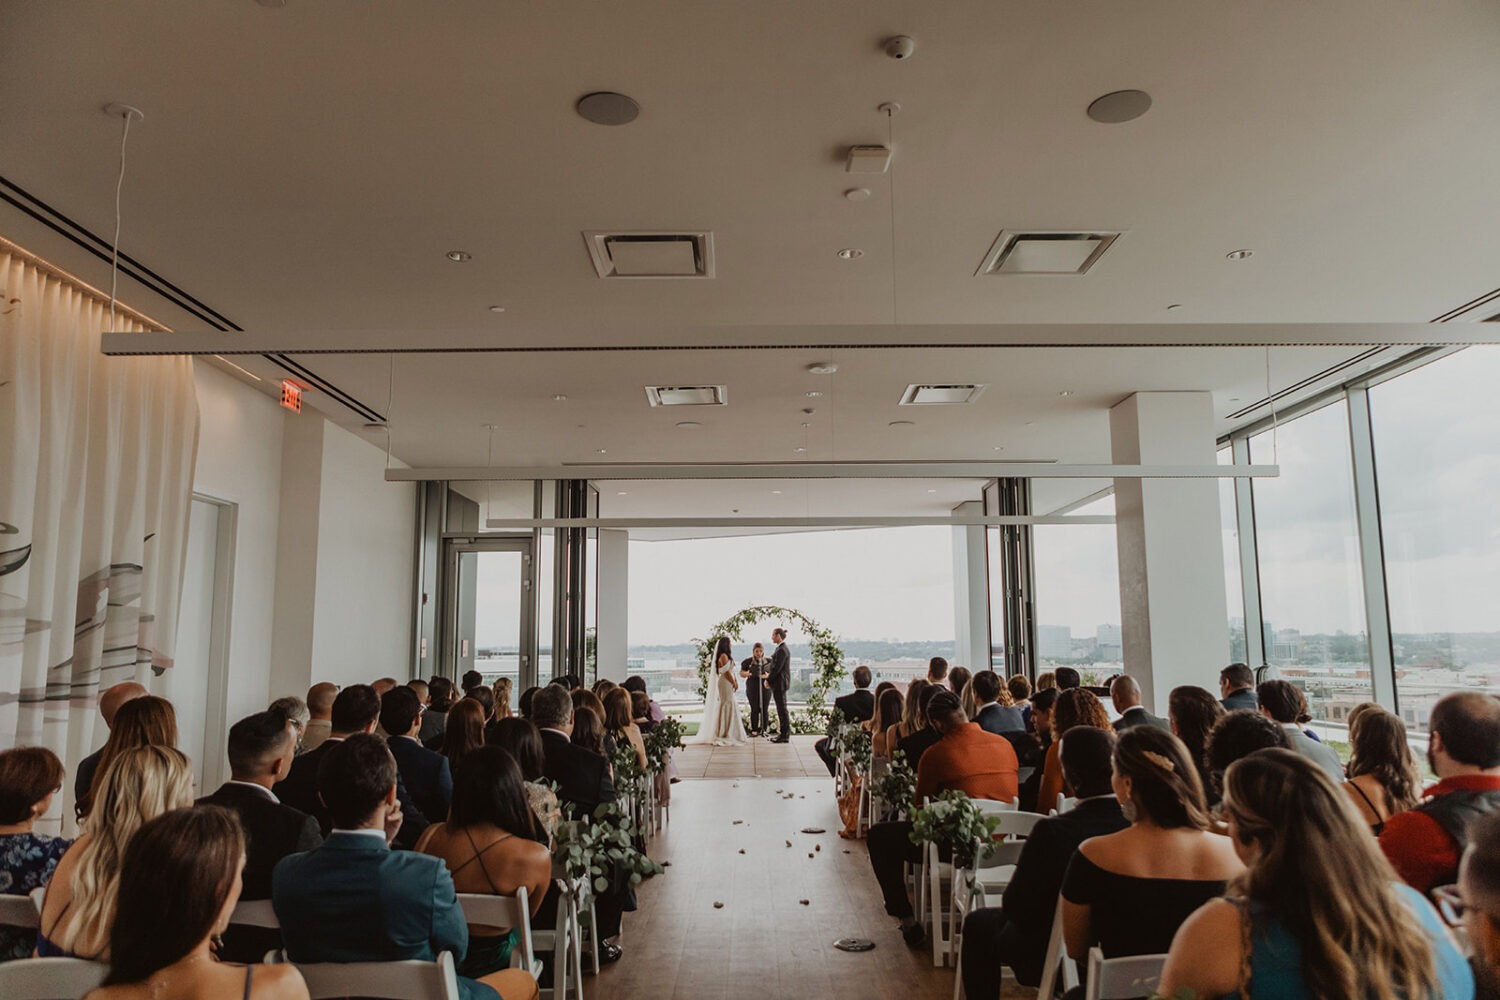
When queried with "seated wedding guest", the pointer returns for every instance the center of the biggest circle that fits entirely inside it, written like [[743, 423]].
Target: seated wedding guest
[[501, 691], [1016, 932], [979, 764], [29, 777], [887, 712], [619, 722], [637, 683], [1128, 892], [355, 900], [588, 732], [856, 706], [143, 721], [995, 715], [524, 703], [1239, 734], [868, 724], [583, 784], [958, 679], [1318, 912], [295, 710], [355, 710], [1046, 681], [320, 715], [1074, 707], [1463, 749], [640, 710], [179, 881], [601, 687], [464, 732], [383, 685], [425, 773], [1478, 897], [486, 699], [440, 694], [937, 670], [138, 785], [1020, 692], [261, 750], [1282, 703], [1237, 688], [911, 719], [1125, 695], [110, 700], [1042, 704], [1067, 679], [472, 679], [1192, 712], [522, 741], [491, 844], [915, 745], [1383, 777]]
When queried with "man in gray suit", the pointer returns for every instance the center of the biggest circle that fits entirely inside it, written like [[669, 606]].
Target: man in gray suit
[[778, 679], [1282, 703]]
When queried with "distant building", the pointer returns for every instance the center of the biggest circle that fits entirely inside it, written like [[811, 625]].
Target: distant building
[[1054, 642], [1108, 645]]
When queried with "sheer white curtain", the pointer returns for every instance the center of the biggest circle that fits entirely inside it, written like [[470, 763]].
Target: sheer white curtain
[[96, 471]]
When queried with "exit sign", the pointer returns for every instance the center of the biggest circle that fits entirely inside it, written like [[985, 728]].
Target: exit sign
[[291, 396]]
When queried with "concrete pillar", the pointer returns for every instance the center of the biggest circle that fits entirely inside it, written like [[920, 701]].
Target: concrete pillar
[[614, 595], [1172, 599], [971, 597]]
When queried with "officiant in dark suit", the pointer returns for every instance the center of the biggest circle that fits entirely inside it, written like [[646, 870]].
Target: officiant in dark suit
[[778, 679], [753, 669]]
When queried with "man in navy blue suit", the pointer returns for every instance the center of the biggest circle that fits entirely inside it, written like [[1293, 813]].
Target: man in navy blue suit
[[355, 900], [426, 774]]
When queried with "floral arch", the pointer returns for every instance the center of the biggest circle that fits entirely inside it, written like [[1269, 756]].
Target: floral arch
[[827, 657]]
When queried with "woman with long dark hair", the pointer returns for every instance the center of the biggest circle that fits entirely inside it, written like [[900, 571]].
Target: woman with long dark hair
[[889, 706], [491, 843], [1319, 912], [1382, 773], [1192, 712], [464, 731], [619, 722], [722, 725], [179, 881], [520, 738]]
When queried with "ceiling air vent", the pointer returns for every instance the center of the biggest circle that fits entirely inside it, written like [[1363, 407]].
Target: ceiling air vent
[[687, 395], [940, 395], [652, 255], [1016, 252]]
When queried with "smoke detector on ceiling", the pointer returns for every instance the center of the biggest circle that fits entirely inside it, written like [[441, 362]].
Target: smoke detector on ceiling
[[644, 254], [1054, 252]]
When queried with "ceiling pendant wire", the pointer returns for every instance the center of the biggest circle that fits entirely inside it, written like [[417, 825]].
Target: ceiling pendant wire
[[114, 244], [890, 143], [390, 398], [489, 490], [1275, 452]]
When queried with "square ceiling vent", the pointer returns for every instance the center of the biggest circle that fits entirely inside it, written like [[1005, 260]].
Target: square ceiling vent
[[940, 395], [652, 254], [1045, 252], [687, 395]]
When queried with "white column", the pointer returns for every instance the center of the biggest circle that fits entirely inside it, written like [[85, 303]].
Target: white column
[[971, 599], [1172, 598], [614, 595]]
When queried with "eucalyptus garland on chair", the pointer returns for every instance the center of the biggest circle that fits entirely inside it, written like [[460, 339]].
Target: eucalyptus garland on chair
[[954, 822], [827, 657], [663, 738], [590, 848], [897, 786]]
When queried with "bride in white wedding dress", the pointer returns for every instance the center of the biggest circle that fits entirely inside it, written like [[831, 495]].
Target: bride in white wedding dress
[[721, 713]]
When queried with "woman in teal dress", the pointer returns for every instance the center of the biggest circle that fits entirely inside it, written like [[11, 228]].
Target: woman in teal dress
[[1319, 911]]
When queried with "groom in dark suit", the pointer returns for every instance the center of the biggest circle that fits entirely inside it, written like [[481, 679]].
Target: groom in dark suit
[[778, 679]]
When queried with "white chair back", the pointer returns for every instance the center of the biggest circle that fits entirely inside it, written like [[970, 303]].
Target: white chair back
[[1056, 958], [1122, 978], [19, 911], [1064, 803], [410, 980], [254, 913], [503, 911], [49, 978]]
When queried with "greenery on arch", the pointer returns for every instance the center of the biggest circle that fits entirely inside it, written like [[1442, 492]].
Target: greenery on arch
[[827, 657]]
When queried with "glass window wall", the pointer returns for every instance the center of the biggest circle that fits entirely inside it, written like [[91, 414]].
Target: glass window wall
[[1078, 595]]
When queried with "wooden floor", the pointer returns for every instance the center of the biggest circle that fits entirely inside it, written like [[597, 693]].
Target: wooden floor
[[757, 758], [726, 842]]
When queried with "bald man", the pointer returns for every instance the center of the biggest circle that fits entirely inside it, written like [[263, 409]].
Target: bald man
[[1125, 693], [109, 703], [320, 714]]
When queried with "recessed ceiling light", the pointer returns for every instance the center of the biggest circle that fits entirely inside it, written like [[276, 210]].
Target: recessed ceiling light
[[902, 423], [459, 256], [799, 449], [622, 493], [823, 368], [1066, 392], [857, 194], [776, 491], [558, 397], [1174, 306], [605, 107], [812, 394], [999, 448], [688, 425], [1120, 106], [497, 309], [600, 450], [1240, 254], [849, 253], [932, 491]]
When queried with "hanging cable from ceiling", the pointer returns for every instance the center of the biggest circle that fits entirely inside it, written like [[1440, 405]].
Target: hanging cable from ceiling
[[126, 113], [1271, 398], [890, 110]]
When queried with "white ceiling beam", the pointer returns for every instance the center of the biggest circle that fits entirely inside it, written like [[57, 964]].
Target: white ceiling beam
[[799, 337], [833, 470], [750, 521]]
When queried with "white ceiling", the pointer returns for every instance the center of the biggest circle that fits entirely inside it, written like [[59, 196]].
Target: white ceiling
[[306, 168]]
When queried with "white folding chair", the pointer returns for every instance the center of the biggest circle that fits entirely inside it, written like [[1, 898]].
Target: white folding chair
[[408, 980], [1063, 804], [561, 942], [19, 911], [1056, 957], [1122, 978], [989, 876], [504, 911], [49, 978], [254, 913]]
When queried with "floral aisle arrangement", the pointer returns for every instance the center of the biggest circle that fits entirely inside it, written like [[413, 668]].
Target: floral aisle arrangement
[[849, 740], [954, 823], [897, 785], [663, 738], [601, 847]]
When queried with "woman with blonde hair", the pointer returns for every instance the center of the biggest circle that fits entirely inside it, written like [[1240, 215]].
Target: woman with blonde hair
[[501, 690], [1383, 777], [911, 719], [144, 721], [1319, 912], [138, 785]]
